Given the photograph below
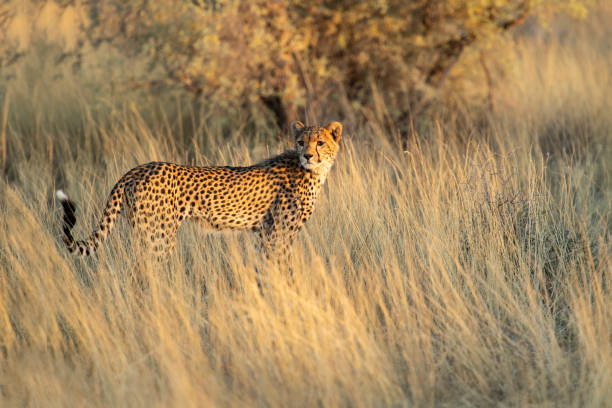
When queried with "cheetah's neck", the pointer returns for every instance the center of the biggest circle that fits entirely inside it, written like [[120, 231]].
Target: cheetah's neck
[[320, 173]]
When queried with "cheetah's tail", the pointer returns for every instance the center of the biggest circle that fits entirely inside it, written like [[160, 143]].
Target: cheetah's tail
[[109, 216]]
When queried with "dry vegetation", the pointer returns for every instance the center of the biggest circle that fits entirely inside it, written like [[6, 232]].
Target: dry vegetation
[[468, 265]]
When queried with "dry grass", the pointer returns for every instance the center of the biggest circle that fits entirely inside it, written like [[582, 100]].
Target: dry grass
[[439, 274]]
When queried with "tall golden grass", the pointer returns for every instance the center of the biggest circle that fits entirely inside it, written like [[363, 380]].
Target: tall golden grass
[[467, 266]]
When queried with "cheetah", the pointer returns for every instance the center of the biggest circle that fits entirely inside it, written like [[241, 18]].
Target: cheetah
[[273, 198]]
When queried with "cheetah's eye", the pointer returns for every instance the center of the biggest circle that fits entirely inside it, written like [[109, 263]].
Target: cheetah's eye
[[300, 143], [320, 143]]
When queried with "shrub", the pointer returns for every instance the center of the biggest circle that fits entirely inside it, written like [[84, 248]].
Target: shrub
[[291, 55]]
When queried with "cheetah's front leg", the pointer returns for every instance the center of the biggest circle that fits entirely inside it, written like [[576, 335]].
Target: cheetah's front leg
[[278, 231]]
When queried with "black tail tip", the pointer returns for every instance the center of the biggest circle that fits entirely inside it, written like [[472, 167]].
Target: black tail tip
[[68, 207]]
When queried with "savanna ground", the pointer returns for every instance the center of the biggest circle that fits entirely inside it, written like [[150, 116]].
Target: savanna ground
[[465, 265]]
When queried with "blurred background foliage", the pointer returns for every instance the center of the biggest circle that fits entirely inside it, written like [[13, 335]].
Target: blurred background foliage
[[287, 59]]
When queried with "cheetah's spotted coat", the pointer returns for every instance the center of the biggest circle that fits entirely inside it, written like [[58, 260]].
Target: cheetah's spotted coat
[[274, 198]]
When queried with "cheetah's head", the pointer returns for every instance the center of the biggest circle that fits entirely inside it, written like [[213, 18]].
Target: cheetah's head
[[316, 145]]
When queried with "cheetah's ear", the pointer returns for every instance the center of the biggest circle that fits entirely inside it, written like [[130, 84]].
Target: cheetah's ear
[[296, 128], [335, 128]]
